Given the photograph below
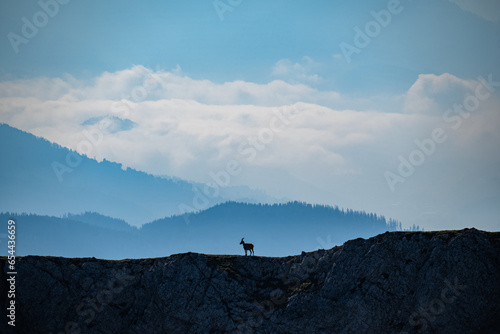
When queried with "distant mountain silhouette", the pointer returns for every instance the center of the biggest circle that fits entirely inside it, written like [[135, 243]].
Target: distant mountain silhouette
[[63, 202], [96, 219], [275, 230], [40, 177]]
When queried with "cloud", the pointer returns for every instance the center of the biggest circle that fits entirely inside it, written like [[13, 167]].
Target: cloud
[[139, 84], [289, 139], [110, 124], [432, 94], [297, 72], [175, 124], [486, 9], [466, 109]]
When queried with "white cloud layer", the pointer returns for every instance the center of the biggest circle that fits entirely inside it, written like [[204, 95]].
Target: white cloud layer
[[287, 137], [431, 94], [141, 84], [297, 72]]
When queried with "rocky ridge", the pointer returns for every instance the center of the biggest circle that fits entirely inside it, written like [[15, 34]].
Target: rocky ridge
[[398, 282]]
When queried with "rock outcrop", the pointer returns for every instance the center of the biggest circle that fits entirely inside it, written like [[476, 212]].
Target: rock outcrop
[[399, 282]]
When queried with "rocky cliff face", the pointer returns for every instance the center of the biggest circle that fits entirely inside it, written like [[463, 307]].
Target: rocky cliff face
[[417, 282]]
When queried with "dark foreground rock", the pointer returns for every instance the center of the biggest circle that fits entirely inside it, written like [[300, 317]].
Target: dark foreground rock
[[415, 282]]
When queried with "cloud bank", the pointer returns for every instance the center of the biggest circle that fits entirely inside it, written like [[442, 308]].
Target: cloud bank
[[288, 137]]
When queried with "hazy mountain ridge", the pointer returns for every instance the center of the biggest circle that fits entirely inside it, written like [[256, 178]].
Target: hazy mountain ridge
[[96, 219], [279, 229], [30, 183], [400, 282], [44, 178]]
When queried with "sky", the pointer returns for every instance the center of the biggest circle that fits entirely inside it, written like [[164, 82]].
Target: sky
[[384, 106]]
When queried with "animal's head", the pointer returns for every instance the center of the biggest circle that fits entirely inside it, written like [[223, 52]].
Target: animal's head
[[241, 242]]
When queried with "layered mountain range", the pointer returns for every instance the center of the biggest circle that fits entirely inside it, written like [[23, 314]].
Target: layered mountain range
[[37, 176], [66, 204]]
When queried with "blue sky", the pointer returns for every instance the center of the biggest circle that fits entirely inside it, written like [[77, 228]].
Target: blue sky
[[88, 38], [198, 84]]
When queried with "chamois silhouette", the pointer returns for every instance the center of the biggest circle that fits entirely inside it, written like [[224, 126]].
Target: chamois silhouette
[[247, 247]]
